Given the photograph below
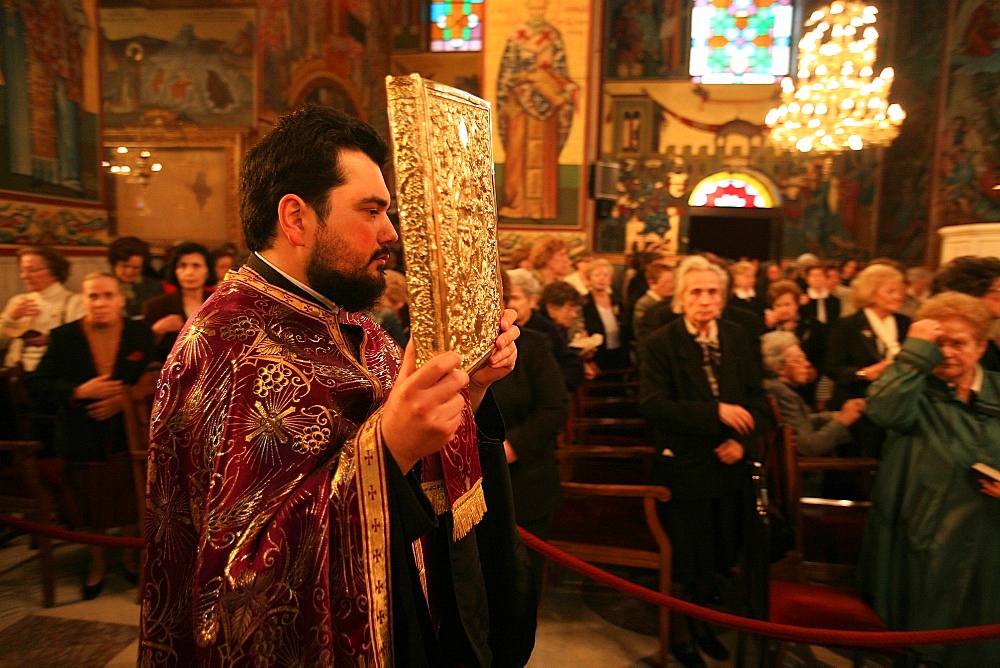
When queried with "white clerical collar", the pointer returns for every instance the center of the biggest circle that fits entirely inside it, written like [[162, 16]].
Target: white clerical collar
[[323, 300], [711, 337], [818, 294]]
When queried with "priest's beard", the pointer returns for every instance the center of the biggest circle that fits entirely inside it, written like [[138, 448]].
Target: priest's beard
[[356, 290]]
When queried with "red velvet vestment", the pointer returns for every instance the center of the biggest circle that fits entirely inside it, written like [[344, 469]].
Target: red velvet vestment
[[267, 508]]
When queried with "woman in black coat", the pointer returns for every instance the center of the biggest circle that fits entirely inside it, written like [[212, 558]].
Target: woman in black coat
[[862, 345], [190, 271], [535, 404]]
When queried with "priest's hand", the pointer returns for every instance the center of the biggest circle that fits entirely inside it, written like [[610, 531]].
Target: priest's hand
[[424, 408], [501, 362]]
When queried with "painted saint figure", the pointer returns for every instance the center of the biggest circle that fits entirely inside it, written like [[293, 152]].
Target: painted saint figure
[[536, 99]]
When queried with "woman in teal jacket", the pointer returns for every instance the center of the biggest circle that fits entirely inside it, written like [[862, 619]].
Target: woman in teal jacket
[[930, 558]]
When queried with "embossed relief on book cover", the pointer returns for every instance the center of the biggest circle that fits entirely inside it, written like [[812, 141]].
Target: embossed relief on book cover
[[442, 141]]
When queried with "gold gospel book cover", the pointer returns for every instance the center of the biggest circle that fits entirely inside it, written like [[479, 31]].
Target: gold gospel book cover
[[443, 151]]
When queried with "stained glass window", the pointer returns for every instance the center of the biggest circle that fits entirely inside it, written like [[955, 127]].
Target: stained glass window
[[457, 26], [732, 189], [742, 41]]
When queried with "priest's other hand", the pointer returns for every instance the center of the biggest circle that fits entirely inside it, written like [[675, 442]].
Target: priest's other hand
[[500, 363]]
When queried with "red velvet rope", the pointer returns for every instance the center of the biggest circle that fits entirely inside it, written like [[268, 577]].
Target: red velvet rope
[[801, 634], [812, 636], [99, 539]]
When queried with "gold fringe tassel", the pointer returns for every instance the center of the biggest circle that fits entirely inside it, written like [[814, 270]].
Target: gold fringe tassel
[[468, 510]]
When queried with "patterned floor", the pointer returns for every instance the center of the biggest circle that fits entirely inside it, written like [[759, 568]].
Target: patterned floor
[[101, 632]]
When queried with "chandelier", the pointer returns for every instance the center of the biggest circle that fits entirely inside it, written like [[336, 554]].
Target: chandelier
[[839, 104], [138, 164]]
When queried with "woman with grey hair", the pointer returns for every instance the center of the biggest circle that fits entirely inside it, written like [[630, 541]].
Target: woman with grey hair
[[28, 317], [700, 393], [789, 369], [522, 296], [930, 558]]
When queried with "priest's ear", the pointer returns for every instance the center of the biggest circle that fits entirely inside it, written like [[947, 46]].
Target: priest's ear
[[293, 215]]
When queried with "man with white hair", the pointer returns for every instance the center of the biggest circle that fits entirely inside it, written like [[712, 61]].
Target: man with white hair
[[701, 395]]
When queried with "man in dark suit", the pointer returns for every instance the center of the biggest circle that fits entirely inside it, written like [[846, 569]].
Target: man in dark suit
[[83, 375], [701, 395], [822, 306]]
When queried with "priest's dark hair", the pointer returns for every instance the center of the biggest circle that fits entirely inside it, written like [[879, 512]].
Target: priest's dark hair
[[299, 155]]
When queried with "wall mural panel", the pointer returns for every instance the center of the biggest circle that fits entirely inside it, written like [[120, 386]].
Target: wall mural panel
[[313, 49], [50, 187], [193, 198], [646, 39], [192, 66], [535, 66], [967, 155]]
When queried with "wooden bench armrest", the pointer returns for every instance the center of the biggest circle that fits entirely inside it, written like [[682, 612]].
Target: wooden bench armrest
[[837, 464], [605, 452], [657, 492], [816, 501], [22, 447]]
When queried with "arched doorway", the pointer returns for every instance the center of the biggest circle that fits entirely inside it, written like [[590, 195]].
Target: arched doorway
[[734, 214]]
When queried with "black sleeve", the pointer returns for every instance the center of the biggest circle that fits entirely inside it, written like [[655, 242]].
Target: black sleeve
[[410, 506]]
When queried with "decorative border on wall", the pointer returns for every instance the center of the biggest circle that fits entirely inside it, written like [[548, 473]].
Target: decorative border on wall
[[50, 86], [24, 223]]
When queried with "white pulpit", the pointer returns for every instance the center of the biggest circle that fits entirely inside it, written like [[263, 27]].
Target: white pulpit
[[973, 239]]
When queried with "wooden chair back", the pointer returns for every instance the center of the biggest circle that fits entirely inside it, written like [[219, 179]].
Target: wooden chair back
[[827, 531], [615, 522], [23, 493], [137, 410], [605, 411]]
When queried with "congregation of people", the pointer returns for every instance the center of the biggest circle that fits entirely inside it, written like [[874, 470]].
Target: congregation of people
[[873, 360], [76, 353], [876, 360]]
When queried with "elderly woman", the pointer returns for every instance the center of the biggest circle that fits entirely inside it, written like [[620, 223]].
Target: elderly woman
[[28, 317], [522, 295], [601, 313], [930, 558], [978, 276], [700, 393], [550, 258], [789, 368], [784, 315], [82, 376], [864, 343]]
